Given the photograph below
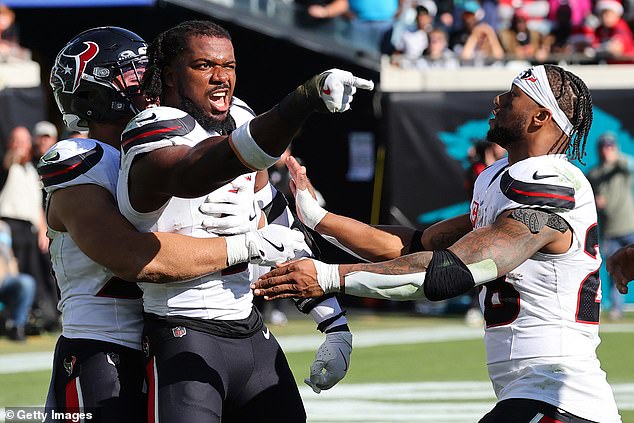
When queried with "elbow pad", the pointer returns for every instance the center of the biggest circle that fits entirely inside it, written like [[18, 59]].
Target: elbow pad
[[446, 277]]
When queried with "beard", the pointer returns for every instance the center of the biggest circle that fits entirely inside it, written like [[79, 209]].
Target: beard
[[223, 124], [505, 137]]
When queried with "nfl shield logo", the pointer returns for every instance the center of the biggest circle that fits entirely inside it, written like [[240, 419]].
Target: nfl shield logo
[[179, 332]]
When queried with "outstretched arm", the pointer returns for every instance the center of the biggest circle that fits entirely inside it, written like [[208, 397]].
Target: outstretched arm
[[189, 172], [374, 243], [89, 214], [369, 242], [478, 257], [91, 217]]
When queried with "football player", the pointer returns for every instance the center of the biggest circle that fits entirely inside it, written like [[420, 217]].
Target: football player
[[533, 253], [211, 358], [98, 364]]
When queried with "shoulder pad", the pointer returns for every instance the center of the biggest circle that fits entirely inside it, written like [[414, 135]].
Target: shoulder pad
[[66, 161], [156, 124], [240, 111], [541, 183]]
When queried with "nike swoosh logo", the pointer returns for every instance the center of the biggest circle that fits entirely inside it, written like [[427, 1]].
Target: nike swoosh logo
[[537, 177], [266, 334], [326, 90], [344, 359], [279, 248], [151, 117], [252, 217]]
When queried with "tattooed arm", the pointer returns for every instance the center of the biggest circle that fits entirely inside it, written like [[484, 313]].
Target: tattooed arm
[[478, 257], [445, 233]]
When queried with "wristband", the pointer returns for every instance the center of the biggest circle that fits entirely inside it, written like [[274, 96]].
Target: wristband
[[237, 252], [312, 212], [328, 322], [327, 276], [248, 150], [325, 311], [339, 328]]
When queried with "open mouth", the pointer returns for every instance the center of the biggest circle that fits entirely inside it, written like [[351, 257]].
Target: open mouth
[[220, 100]]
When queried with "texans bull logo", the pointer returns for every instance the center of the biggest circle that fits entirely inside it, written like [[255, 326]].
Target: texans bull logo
[[528, 74], [69, 68]]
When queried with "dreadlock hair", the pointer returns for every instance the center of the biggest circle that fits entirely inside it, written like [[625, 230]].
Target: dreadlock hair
[[574, 99], [168, 46]]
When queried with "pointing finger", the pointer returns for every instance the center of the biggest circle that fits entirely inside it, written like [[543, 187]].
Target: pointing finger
[[364, 84]]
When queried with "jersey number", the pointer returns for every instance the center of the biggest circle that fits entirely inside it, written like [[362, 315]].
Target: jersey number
[[118, 288], [588, 300], [501, 303]]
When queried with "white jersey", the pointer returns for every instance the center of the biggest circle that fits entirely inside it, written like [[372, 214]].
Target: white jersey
[[542, 319], [94, 303], [222, 295]]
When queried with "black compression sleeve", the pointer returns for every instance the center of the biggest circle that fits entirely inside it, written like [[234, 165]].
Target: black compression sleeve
[[446, 277], [416, 244]]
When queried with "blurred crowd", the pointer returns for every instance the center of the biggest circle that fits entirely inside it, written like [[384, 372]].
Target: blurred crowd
[[450, 33], [9, 37], [28, 297]]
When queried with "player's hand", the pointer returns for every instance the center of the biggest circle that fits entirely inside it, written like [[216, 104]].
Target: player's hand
[[336, 88], [274, 244], [620, 266], [303, 278], [332, 361], [231, 209], [308, 209], [328, 92]]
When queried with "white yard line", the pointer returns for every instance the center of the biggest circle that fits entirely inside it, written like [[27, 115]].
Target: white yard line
[[35, 361], [441, 402]]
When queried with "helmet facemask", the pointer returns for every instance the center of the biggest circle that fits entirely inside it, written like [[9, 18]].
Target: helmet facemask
[[97, 77]]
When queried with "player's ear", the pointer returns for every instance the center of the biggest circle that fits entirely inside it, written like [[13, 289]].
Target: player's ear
[[542, 116], [169, 76]]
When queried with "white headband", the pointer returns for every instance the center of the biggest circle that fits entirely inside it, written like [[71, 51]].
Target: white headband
[[534, 83]]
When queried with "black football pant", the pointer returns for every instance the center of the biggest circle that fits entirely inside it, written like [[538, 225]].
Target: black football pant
[[529, 411], [198, 377], [97, 377]]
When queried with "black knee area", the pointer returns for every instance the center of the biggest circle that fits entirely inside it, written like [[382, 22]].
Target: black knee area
[[446, 277]]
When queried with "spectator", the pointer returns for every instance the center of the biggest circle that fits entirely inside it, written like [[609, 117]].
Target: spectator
[[557, 41], [444, 15], [518, 41], [613, 37], [370, 20], [438, 54], [406, 21], [476, 43], [16, 289], [44, 136], [414, 41], [536, 12], [579, 9], [612, 184], [9, 41], [321, 14], [21, 208]]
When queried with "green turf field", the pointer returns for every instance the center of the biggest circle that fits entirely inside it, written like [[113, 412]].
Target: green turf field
[[439, 381]]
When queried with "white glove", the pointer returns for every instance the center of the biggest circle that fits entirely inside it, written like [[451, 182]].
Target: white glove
[[332, 361], [231, 209], [268, 246], [338, 88]]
